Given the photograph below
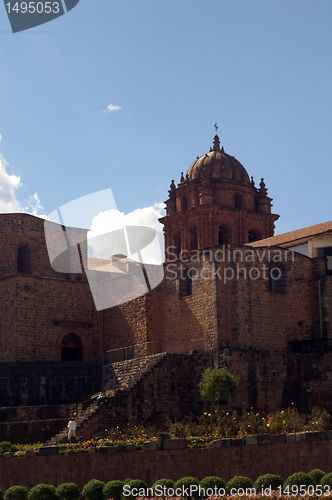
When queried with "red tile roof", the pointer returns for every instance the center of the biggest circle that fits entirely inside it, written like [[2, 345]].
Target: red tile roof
[[294, 236]]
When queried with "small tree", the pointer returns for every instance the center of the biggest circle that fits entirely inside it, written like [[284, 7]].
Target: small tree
[[217, 385], [68, 491]]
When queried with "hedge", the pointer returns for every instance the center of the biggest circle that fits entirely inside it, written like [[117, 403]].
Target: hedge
[[93, 490], [68, 491], [139, 484], [299, 479], [16, 493], [238, 482], [327, 480], [186, 482], [113, 489], [269, 480], [316, 475], [42, 492], [98, 490]]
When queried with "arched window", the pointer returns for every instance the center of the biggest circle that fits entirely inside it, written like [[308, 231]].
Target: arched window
[[193, 240], [254, 235], [238, 201], [224, 235], [71, 348], [23, 264], [184, 203]]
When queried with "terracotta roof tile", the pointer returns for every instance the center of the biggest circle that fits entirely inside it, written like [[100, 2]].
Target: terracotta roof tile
[[293, 236]]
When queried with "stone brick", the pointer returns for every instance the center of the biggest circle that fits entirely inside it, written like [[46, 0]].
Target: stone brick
[[49, 450], [174, 444], [150, 445]]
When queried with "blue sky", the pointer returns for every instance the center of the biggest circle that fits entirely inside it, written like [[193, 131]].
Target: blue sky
[[261, 68]]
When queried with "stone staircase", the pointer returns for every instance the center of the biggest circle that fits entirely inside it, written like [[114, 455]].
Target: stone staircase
[[125, 374], [120, 378]]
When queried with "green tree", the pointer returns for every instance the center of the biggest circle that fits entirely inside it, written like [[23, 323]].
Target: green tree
[[217, 385]]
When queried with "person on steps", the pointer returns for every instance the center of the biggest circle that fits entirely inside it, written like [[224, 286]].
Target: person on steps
[[72, 426]]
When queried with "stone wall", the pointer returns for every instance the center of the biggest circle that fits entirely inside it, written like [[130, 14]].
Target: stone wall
[[309, 380], [47, 383], [281, 458]]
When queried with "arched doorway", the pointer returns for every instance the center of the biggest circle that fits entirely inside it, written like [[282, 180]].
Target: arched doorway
[[71, 348]]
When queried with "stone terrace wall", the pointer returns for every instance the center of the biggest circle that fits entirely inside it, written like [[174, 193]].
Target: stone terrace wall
[[252, 460], [47, 383]]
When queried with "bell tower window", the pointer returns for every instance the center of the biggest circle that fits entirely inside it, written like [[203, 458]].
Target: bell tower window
[[238, 201], [184, 203], [193, 240], [224, 236]]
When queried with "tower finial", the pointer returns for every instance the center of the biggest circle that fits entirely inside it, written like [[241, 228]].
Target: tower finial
[[216, 140]]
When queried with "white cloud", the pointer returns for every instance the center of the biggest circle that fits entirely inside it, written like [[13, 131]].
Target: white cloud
[[9, 187], [111, 108], [34, 205], [0, 137], [9, 184], [113, 219]]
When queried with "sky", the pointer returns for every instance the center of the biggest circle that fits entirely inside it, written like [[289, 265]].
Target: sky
[[123, 94]]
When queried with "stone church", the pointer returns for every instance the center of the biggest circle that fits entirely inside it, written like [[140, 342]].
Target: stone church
[[233, 295]]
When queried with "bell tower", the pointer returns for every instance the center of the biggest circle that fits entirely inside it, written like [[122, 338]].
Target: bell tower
[[216, 203]]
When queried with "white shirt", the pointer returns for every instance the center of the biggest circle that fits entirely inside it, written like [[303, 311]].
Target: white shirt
[[72, 425]]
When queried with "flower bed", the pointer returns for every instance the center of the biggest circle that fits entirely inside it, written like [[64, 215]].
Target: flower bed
[[198, 433]]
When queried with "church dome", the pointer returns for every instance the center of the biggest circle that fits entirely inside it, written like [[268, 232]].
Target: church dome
[[217, 164]]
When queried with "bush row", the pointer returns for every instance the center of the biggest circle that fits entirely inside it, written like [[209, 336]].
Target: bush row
[[98, 490]]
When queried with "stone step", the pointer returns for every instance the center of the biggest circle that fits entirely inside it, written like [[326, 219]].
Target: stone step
[[122, 376]]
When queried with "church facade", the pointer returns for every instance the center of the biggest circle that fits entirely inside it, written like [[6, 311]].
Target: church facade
[[248, 301]]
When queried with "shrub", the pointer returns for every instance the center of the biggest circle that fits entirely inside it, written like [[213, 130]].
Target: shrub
[[1, 494], [68, 491], [217, 385], [288, 420], [327, 480], [113, 489], [319, 420], [162, 483], [16, 493], [299, 479], [186, 482], [272, 481], [138, 484], [212, 482], [238, 482], [316, 475], [7, 446], [42, 492], [93, 490]]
